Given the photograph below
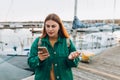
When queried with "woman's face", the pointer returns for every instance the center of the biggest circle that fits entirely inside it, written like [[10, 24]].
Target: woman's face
[[52, 28]]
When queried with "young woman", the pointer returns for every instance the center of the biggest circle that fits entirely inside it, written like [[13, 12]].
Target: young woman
[[55, 64]]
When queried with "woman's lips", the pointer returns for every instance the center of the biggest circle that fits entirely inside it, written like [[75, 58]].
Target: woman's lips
[[50, 32]]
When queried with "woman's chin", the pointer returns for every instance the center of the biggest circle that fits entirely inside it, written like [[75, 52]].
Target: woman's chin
[[51, 35]]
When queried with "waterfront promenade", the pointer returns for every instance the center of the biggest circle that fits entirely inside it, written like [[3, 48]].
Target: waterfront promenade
[[104, 66]]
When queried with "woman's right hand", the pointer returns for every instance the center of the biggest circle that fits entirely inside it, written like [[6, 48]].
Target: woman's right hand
[[42, 56]]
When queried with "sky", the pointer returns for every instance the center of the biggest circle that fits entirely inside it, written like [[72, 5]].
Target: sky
[[37, 10]]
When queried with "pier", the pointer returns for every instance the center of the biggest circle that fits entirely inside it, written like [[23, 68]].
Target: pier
[[104, 66], [27, 24]]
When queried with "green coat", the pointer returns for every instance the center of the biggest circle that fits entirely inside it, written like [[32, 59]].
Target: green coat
[[58, 57]]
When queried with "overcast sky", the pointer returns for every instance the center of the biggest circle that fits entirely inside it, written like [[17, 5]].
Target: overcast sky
[[37, 10]]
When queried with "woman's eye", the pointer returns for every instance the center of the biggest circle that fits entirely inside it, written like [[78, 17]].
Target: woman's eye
[[53, 26], [47, 26]]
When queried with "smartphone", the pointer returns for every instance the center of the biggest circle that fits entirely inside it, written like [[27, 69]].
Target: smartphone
[[44, 49]]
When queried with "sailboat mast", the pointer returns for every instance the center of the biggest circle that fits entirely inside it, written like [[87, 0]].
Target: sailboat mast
[[74, 30], [75, 8], [114, 6]]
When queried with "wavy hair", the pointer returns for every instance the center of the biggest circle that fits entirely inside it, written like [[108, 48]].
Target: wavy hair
[[62, 31]]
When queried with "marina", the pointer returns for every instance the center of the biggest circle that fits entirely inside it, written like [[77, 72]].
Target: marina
[[94, 28], [15, 45], [18, 41]]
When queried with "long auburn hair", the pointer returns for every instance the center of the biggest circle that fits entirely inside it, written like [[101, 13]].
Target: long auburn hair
[[62, 31]]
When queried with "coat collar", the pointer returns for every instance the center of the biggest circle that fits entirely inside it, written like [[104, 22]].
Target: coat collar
[[46, 39]]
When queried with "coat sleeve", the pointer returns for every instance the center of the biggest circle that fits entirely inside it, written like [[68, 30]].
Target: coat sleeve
[[33, 60], [72, 63]]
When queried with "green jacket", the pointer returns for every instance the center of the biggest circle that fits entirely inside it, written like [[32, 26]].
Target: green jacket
[[58, 57]]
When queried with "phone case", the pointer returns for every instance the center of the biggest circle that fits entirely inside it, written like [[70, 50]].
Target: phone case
[[44, 49]]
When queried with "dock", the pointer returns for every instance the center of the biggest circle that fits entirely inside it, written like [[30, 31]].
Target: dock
[[104, 66]]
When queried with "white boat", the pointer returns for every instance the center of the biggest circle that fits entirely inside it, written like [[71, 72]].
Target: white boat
[[106, 28], [101, 39], [16, 25]]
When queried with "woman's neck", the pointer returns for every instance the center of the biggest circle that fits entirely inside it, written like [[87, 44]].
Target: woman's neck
[[53, 38]]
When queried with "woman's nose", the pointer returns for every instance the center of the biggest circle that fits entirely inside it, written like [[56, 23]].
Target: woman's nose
[[50, 28]]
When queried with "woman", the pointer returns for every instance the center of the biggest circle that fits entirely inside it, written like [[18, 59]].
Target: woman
[[57, 63]]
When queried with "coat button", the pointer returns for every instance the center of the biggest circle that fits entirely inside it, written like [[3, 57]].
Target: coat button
[[56, 65], [54, 52], [58, 77]]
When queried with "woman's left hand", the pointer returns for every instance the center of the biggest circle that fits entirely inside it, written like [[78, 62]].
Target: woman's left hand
[[73, 55]]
